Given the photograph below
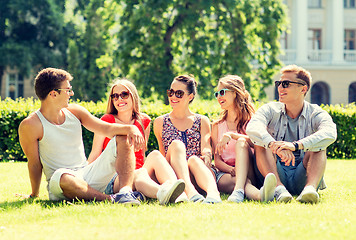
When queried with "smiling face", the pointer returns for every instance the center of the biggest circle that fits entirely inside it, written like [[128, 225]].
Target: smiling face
[[120, 104], [294, 92], [227, 101], [174, 100]]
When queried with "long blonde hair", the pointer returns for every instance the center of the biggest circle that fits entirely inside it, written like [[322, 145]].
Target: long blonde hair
[[242, 102], [136, 112]]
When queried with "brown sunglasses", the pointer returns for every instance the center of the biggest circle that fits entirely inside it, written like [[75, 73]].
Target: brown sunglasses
[[123, 95]]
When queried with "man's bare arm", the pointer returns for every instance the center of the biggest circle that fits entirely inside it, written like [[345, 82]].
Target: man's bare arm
[[30, 131], [109, 130]]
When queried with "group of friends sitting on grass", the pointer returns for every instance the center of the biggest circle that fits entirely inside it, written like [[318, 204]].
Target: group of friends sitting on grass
[[266, 155]]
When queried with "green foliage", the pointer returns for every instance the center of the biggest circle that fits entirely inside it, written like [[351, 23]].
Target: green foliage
[[86, 45], [13, 112], [345, 119], [32, 34], [157, 40], [147, 41]]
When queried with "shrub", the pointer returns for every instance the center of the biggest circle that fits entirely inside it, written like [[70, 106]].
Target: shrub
[[13, 112]]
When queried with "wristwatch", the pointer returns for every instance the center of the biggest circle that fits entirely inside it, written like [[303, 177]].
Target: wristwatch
[[296, 146]]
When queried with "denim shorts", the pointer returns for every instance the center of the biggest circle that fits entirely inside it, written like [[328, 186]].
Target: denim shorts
[[110, 187], [218, 174], [294, 177]]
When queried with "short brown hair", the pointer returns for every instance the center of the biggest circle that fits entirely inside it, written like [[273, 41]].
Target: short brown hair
[[49, 79], [301, 73]]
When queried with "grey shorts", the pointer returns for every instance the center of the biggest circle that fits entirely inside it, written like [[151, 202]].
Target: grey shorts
[[218, 174]]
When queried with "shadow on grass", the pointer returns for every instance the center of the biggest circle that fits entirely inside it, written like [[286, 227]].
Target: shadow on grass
[[48, 204], [8, 205]]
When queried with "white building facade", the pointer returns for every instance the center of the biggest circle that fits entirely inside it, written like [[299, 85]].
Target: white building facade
[[322, 39]]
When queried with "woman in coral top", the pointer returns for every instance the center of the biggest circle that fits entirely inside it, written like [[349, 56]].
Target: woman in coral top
[[233, 149], [124, 108]]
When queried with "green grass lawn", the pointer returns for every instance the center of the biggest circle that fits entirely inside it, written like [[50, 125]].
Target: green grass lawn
[[333, 218]]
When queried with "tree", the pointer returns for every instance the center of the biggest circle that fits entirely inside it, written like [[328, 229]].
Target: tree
[[157, 40], [32, 34], [86, 46]]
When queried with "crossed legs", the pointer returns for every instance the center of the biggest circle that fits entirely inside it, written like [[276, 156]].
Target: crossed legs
[[74, 187]]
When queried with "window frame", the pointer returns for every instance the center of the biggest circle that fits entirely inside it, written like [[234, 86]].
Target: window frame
[[16, 81]]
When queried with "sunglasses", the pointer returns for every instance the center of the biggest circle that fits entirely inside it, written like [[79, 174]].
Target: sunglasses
[[285, 83], [222, 92], [68, 90], [178, 93], [123, 95]]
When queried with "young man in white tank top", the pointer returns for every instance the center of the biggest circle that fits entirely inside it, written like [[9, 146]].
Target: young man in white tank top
[[51, 138]]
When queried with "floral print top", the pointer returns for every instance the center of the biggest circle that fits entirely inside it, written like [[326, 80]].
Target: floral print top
[[190, 137]]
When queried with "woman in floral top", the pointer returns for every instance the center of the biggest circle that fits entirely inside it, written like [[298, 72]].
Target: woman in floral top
[[184, 139]]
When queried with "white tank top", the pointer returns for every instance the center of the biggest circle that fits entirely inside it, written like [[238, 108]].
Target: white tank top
[[61, 145]]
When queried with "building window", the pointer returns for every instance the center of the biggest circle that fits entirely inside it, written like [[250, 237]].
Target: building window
[[320, 93], [349, 3], [314, 3], [14, 86], [314, 39], [350, 39], [350, 45], [352, 92]]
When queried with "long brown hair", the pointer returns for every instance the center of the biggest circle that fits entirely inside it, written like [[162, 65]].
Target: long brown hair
[[110, 109], [242, 102]]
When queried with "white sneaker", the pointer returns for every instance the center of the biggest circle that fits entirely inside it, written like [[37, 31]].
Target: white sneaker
[[282, 195], [268, 188], [308, 195], [237, 196], [169, 192], [182, 198]]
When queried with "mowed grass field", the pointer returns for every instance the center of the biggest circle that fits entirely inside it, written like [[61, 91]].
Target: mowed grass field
[[333, 218]]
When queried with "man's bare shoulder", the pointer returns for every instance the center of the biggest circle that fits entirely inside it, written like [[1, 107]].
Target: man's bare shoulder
[[31, 125], [31, 120], [78, 110], [75, 107]]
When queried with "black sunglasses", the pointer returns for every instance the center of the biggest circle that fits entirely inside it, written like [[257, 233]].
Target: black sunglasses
[[222, 92], [123, 95], [178, 93], [285, 83]]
